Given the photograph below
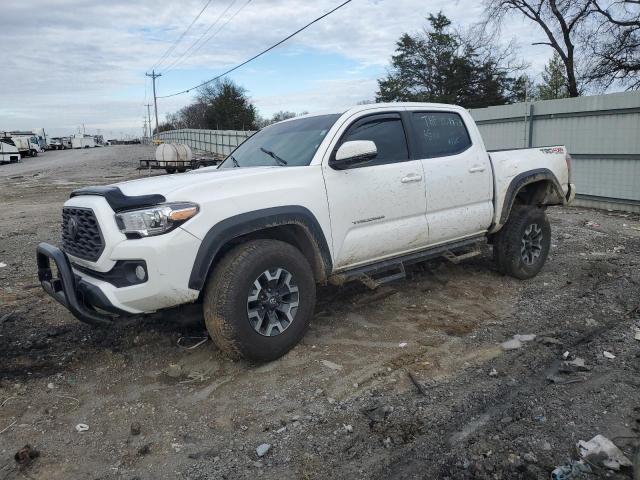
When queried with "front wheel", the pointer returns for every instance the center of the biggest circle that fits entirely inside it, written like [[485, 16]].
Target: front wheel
[[259, 300], [521, 247]]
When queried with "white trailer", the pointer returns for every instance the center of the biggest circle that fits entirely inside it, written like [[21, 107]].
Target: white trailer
[[83, 141]]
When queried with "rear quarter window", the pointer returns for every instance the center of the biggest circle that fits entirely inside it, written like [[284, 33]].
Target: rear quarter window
[[439, 134]]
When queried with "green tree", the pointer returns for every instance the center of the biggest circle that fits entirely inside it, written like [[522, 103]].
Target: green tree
[[524, 89], [441, 66], [226, 107], [164, 127], [554, 80], [282, 115]]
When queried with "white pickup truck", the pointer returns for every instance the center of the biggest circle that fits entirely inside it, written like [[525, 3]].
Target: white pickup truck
[[315, 199]]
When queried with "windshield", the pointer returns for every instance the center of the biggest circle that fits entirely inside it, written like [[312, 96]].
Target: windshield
[[292, 143]]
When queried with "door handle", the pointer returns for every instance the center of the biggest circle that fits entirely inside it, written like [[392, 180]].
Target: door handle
[[412, 177], [476, 169]]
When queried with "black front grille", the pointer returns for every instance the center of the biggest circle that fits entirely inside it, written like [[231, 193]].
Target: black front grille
[[81, 235]]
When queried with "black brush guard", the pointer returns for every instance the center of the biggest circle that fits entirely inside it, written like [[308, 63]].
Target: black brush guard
[[79, 297]]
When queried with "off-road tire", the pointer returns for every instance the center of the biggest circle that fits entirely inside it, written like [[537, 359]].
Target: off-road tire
[[225, 300], [508, 242]]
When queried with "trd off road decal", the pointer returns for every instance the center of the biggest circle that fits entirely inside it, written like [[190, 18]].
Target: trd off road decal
[[552, 150]]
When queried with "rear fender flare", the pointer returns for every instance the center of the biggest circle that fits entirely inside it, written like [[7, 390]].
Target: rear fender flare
[[522, 180]]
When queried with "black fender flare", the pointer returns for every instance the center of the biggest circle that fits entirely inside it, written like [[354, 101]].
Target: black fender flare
[[522, 180], [245, 223]]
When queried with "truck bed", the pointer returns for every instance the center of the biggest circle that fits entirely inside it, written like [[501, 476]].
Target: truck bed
[[509, 164]]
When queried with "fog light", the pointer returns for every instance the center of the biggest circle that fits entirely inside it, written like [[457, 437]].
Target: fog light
[[140, 273]]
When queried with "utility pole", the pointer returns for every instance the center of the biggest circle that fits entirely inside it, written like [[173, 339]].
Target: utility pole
[[153, 76], [148, 105]]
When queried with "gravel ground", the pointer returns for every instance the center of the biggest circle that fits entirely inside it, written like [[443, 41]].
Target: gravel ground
[[408, 381]]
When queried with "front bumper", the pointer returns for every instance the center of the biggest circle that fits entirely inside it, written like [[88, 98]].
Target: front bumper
[[78, 296]]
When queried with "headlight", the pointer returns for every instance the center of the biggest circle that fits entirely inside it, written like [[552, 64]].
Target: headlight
[[155, 220]]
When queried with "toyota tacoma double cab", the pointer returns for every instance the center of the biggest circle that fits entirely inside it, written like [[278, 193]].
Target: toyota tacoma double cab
[[311, 200]]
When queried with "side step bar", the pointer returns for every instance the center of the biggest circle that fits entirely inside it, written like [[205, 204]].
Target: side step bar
[[456, 259], [377, 274], [394, 273]]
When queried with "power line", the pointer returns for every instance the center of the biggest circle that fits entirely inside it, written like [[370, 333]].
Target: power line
[[184, 58], [203, 34], [261, 53], [175, 44]]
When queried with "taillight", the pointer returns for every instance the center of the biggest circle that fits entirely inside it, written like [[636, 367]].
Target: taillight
[[568, 159]]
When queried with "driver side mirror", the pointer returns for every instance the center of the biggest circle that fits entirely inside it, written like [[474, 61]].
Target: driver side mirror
[[354, 153]]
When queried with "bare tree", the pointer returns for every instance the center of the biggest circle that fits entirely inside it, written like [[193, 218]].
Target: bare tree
[[628, 9], [616, 53], [560, 20]]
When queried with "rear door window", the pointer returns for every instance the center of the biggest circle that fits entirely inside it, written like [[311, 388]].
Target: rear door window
[[439, 134]]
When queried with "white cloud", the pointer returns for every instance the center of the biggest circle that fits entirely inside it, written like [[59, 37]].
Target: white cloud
[[67, 62]]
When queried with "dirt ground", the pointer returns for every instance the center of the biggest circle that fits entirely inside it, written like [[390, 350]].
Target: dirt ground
[[408, 381]]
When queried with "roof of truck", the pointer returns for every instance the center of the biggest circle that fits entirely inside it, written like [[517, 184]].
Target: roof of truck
[[373, 106]]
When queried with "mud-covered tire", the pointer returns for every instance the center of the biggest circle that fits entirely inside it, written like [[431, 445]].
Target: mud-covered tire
[[228, 291], [521, 247]]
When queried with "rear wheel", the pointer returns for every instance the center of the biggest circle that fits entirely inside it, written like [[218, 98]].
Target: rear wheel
[[170, 170], [259, 300], [521, 247]]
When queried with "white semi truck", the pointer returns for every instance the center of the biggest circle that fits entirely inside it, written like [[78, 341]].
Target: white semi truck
[[41, 136]]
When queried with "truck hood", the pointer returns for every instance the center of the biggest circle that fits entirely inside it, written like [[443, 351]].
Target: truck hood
[[165, 184]]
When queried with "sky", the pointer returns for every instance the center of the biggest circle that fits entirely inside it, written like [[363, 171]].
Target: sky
[[74, 64]]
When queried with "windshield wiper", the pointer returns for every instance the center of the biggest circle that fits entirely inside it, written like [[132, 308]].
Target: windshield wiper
[[234, 161], [274, 156]]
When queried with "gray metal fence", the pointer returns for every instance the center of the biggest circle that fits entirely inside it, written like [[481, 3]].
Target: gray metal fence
[[217, 142], [602, 133]]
